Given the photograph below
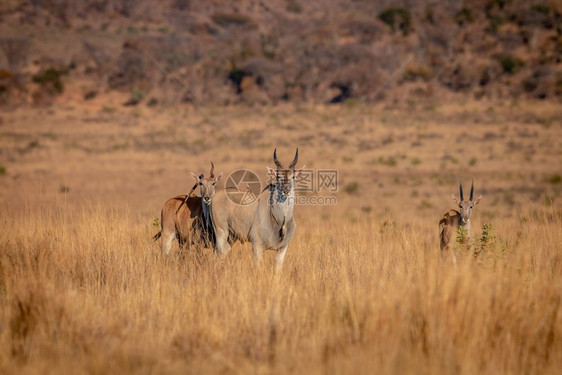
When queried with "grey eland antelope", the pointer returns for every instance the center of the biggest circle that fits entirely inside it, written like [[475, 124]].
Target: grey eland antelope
[[267, 222]]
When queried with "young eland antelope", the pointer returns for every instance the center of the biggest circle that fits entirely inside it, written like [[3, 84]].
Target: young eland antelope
[[452, 220], [186, 217]]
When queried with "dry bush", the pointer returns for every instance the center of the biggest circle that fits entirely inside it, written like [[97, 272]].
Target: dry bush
[[90, 292]]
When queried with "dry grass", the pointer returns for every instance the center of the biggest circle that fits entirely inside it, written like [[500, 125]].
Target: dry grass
[[84, 289], [93, 293]]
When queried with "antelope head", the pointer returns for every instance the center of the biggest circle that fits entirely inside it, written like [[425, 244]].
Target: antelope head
[[465, 207], [284, 177], [207, 184]]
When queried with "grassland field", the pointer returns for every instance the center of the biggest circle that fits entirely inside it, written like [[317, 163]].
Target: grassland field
[[85, 289]]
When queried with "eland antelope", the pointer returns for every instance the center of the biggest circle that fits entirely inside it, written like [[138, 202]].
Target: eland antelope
[[453, 219], [186, 217], [267, 222]]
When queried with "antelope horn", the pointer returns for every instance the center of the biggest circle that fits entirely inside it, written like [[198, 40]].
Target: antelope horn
[[294, 162], [212, 173], [460, 190], [472, 190], [277, 163]]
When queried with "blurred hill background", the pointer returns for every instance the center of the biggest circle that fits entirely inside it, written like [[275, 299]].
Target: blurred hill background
[[266, 52]]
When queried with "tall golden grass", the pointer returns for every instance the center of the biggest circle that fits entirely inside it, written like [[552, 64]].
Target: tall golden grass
[[91, 292]]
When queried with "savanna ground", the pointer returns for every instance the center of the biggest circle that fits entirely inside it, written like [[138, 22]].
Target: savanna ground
[[84, 289]]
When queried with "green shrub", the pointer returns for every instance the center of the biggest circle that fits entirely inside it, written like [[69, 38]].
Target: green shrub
[[136, 96], [541, 8], [464, 16], [50, 76], [555, 179], [510, 63], [462, 235], [394, 17], [415, 72], [294, 7], [2, 170], [232, 19], [390, 161], [495, 23], [351, 188]]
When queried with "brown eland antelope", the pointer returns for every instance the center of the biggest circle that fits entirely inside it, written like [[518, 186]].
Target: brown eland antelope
[[267, 222], [452, 220], [186, 217]]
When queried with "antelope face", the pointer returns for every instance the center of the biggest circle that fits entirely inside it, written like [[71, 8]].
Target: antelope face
[[285, 181], [465, 209], [465, 206], [284, 177], [207, 185]]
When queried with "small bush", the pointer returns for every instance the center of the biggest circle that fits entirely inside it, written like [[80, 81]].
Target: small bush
[[462, 235], [464, 16], [397, 17], [90, 95], [232, 19], [510, 64], [416, 161], [541, 8], [555, 179], [351, 188], [2, 170], [472, 162], [293, 6], [495, 23], [50, 77], [136, 96], [390, 161], [415, 72]]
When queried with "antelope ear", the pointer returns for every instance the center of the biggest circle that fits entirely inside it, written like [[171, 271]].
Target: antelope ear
[[298, 172], [455, 199], [196, 178], [218, 177], [271, 172], [477, 200]]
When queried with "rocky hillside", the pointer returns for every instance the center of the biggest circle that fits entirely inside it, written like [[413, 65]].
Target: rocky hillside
[[255, 51]]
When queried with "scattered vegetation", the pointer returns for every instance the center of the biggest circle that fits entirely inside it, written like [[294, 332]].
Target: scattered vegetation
[[388, 161], [90, 94], [201, 48], [414, 72], [294, 6], [464, 16], [397, 18], [51, 79], [137, 95], [555, 179], [232, 19], [351, 188], [510, 64]]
